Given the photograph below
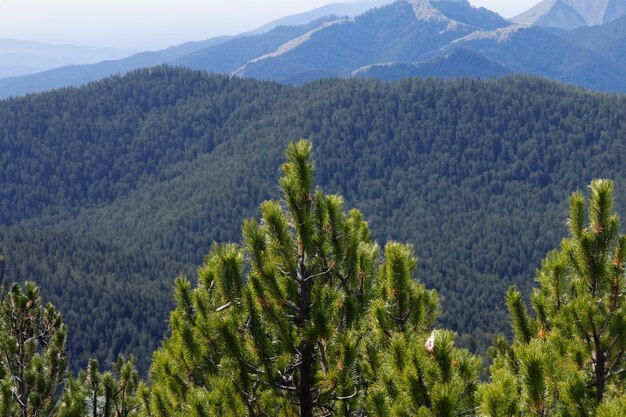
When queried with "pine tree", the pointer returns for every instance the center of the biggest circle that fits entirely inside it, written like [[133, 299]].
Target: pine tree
[[297, 319], [415, 371], [108, 394], [568, 358], [32, 353]]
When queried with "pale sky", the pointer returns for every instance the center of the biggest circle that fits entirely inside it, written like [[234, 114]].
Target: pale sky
[[156, 24]]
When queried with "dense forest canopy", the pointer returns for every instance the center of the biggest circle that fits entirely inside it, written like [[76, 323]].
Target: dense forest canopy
[[309, 316], [114, 299], [132, 179]]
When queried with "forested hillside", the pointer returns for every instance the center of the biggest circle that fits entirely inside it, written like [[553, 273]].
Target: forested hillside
[[160, 163], [113, 299]]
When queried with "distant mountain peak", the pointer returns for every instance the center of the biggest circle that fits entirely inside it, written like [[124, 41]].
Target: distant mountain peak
[[425, 11], [458, 15], [571, 14]]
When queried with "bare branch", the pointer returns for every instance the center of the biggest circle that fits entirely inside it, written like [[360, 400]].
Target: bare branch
[[224, 307]]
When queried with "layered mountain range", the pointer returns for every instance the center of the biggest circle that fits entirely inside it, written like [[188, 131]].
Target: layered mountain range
[[440, 38]]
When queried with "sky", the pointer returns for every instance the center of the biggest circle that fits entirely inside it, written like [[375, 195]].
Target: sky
[[156, 24]]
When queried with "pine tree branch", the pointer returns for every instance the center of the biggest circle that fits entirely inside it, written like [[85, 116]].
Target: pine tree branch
[[470, 388], [347, 397], [344, 283], [285, 256], [594, 280], [328, 408], [311, 277], [223, 307], [18, 397], [470, 412], [248, 399], [9, 362], [37, 337], [607, 319], [254, 369], [612, 344], [582, 329], [402, 320], [284, 387], [612, 374], [617, 362], [324, 362], [294, 366], [285, 272], [292, 305]]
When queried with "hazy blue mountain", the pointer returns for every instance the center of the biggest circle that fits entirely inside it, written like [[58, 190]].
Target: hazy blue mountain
[[608, 40], [614, 10], [226, 57], [571, 14], [536, 51], [459, 63], [75, 75], [401, 32], [551, 13], [20, 57], [384, 40], [413, 37]]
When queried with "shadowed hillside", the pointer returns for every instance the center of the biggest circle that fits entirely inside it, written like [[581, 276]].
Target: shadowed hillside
[[475, 174]]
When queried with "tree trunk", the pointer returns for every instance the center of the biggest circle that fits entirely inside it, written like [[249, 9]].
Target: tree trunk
[[600, 372], [94, 400], [307, 350], [305, 393]]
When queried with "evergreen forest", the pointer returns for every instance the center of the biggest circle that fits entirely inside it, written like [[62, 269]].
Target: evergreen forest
[[112, 190], [309, 316]]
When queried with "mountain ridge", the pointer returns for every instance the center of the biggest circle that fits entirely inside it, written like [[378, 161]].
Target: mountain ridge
[[403, 32], [387, 35], [608, 40], [75, 75], [458, 63], [21, 57]]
